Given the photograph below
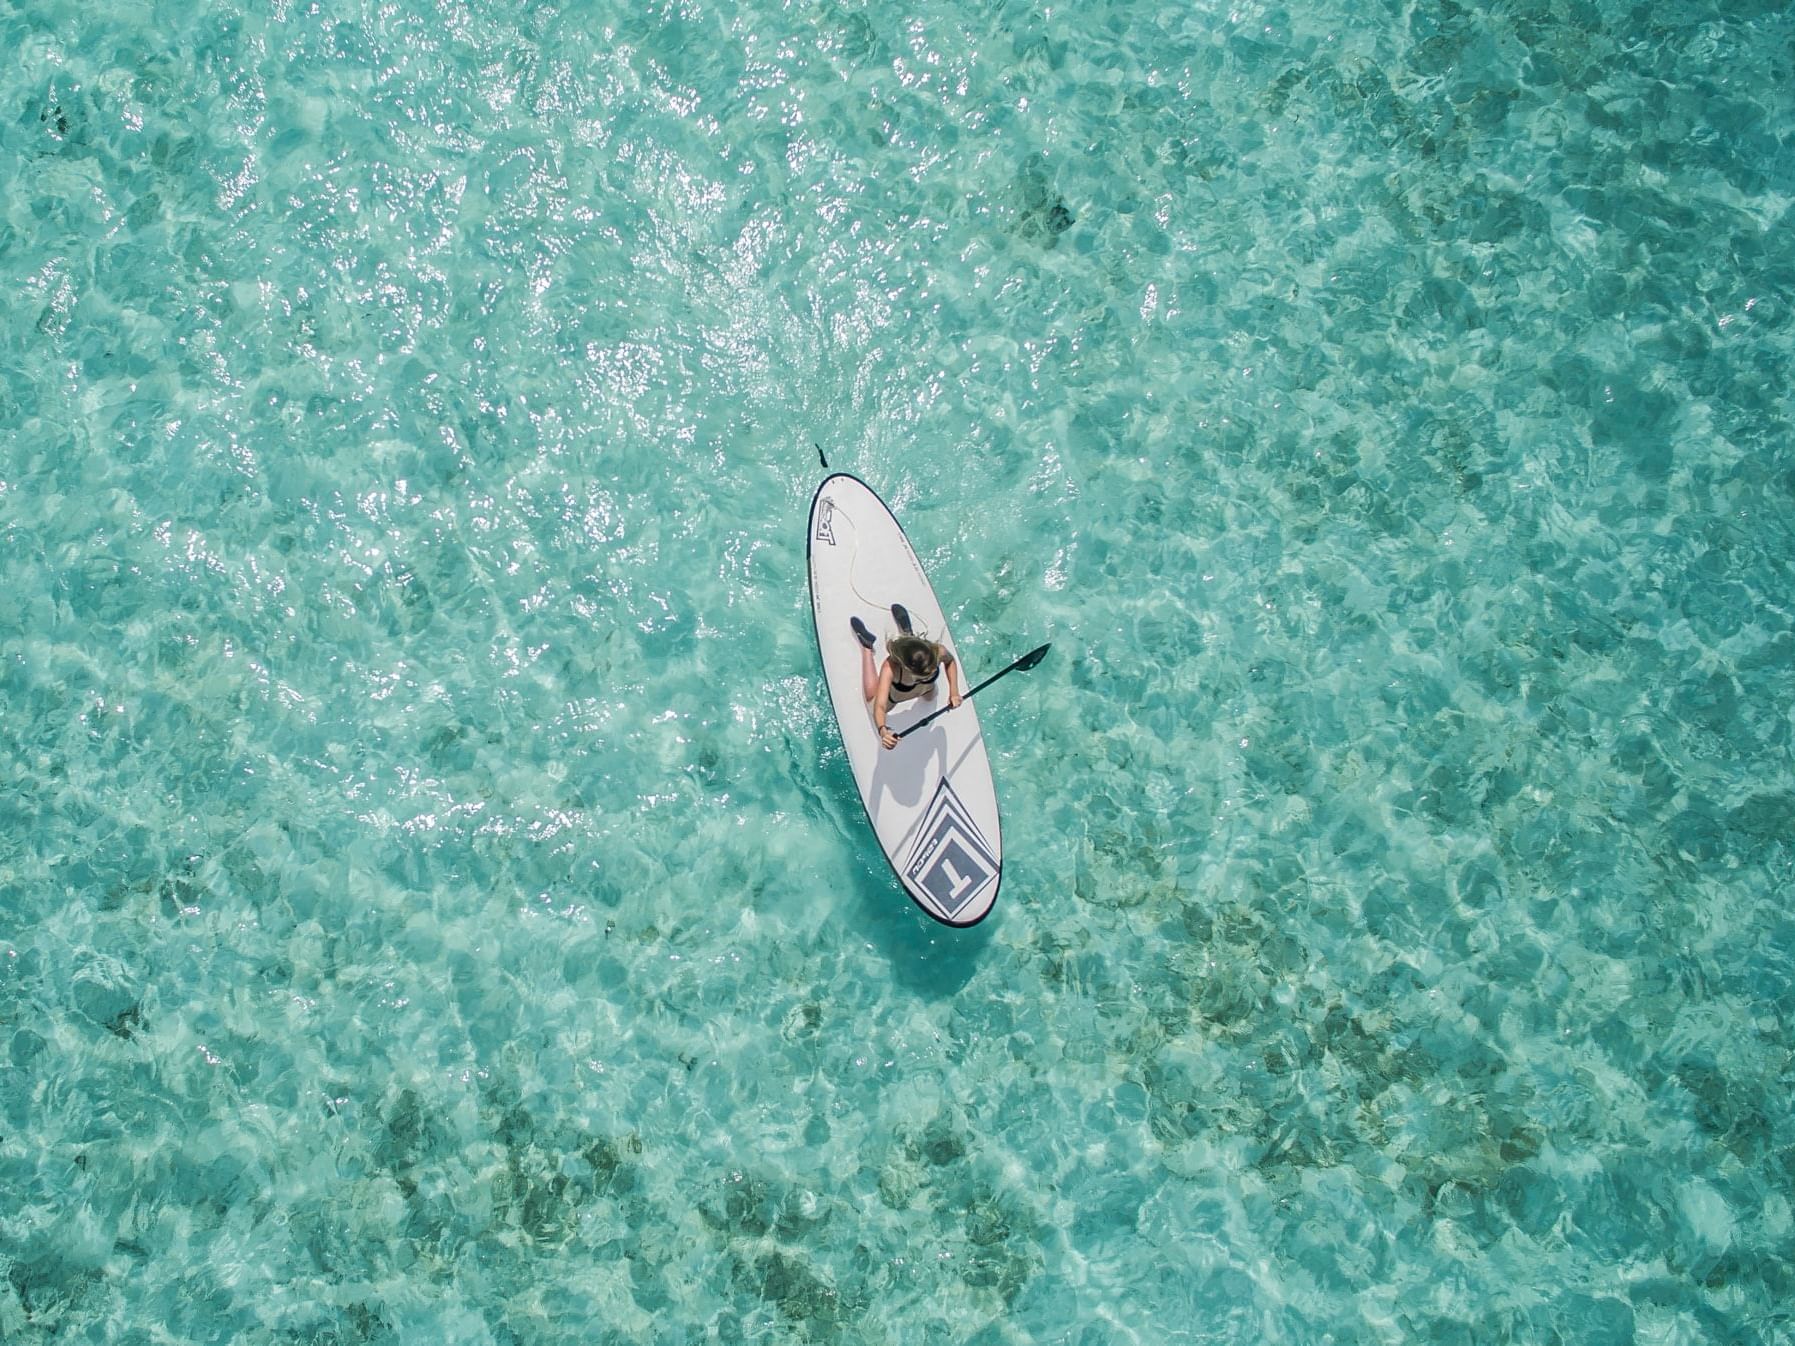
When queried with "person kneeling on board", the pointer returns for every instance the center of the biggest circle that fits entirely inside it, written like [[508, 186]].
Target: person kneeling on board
[[912, 668]]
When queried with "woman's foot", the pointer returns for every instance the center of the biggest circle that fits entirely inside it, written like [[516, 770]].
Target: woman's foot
[[861, 634], [902, 618]]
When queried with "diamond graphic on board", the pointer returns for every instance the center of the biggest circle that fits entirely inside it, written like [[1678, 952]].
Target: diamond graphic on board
[[825, 521], [951, 860]]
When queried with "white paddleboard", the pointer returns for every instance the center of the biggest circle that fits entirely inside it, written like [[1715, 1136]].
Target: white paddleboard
[[930, 800]]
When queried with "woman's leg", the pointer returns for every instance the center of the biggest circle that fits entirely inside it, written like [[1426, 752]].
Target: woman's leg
[[869, 675]]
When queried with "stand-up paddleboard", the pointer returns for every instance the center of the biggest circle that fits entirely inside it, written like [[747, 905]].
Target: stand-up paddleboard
[[930, 800]]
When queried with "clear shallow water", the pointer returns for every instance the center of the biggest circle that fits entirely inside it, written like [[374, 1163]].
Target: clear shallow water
[[434, 904]]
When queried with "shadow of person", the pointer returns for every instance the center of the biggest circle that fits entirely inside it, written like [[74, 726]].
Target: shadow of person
[[906, 775]]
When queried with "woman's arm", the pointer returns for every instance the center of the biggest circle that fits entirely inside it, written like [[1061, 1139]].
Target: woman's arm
[[882, 704], [952, 665]]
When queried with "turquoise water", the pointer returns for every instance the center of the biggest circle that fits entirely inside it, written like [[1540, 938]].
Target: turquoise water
[[434, 906]]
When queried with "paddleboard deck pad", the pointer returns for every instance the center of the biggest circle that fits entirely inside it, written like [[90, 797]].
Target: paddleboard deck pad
[[930, 800]]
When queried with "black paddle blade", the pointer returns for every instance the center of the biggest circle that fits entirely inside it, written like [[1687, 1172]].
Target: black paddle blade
[[1032, 658]]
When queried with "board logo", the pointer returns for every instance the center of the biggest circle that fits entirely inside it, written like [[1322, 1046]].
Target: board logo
[[825, 521], [951, 860]]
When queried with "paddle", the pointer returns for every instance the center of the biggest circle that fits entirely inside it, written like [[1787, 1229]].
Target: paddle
[[1022, 665]]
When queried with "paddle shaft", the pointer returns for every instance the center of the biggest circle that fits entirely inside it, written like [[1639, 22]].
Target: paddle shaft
[[1023, 664]]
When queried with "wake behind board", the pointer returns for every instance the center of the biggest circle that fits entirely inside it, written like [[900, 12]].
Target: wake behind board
[[930, 800]]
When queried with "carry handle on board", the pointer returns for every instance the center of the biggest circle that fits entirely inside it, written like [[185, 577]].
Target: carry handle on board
[[1022, 665]]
